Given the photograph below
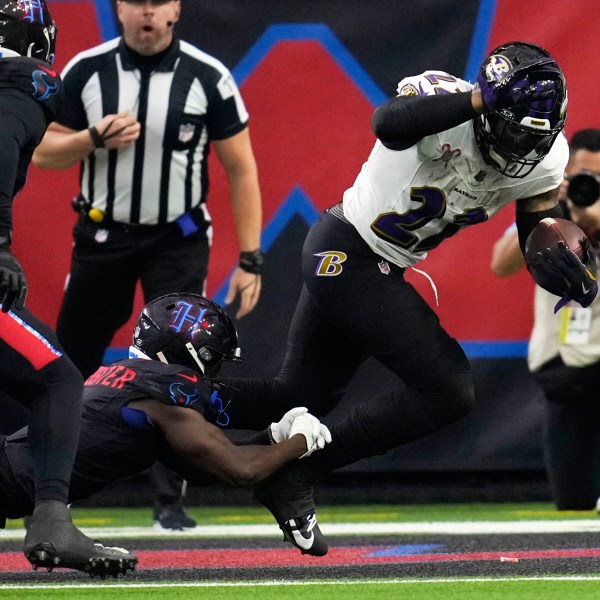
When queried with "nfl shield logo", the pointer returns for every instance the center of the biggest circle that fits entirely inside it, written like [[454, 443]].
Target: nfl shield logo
[[101, 235], [384, 267], [186, 132]]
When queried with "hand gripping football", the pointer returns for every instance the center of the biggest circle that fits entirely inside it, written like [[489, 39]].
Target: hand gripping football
[[548, 233], [561, 259]]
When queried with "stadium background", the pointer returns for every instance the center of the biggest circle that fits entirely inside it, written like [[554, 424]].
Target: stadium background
[[311, 73]]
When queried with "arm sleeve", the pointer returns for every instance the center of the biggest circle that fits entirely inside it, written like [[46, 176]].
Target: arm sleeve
[[404, 120], [22, 123]]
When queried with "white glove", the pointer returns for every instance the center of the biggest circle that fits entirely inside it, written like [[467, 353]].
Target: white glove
[[281, 431], [316, 434]]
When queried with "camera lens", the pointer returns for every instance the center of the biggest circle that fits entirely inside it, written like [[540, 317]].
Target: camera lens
[[584, 189]]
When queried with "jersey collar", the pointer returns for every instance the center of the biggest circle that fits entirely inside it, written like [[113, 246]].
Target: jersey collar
[[166, 64]]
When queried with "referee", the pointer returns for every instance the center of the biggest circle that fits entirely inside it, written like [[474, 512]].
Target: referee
[[140, 114]]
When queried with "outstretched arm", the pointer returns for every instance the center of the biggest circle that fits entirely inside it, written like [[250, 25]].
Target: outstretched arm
[[206, 447]]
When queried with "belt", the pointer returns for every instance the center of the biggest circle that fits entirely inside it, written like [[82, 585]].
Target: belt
[[188, 223]]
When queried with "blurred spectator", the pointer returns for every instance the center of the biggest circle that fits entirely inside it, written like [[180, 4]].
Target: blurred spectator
[[564, 349]]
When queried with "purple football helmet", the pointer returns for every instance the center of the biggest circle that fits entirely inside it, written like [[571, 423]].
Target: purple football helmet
[[517, 135]]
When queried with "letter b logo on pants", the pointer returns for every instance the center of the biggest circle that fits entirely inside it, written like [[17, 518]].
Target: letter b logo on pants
[[330, 264]]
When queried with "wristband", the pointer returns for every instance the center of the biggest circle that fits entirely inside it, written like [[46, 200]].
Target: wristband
[[270, 435], [252, 262], [96, 137]]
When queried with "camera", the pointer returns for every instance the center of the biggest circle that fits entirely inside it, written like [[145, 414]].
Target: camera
[[584, 188]]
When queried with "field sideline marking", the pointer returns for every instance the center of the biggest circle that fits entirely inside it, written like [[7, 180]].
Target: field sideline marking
[[332, 529], [212, 584]]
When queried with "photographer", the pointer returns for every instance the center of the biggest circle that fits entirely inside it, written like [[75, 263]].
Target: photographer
[[564, 349]]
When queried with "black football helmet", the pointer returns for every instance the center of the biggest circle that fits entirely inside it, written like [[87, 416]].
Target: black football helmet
[[188, 330], [27, 29], [514, 140]]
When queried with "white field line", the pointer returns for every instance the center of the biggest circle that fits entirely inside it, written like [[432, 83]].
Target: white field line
[[240, 584], [333, 529]]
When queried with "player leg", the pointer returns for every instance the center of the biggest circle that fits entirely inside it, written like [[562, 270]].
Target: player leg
[[390, 322], [99, 295], [319, 363], [35, 372], [371, 305]]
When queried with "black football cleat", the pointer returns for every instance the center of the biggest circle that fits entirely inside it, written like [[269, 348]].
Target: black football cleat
[[172, 517], [288, 494], [52, 541], [305, 534]]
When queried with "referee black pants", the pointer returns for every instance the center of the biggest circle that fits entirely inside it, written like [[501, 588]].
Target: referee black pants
[[106, 264]]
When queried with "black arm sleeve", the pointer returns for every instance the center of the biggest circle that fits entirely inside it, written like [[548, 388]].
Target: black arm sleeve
[[526, 222], [404, 120], [22, 124]]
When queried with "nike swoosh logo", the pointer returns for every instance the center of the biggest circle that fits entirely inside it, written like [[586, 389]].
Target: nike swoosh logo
[[192, 378], [301, 541], [583, 288], [53, 73]]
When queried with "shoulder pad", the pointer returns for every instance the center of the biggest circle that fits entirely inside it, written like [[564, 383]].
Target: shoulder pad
[[35, 78], [431, 83]]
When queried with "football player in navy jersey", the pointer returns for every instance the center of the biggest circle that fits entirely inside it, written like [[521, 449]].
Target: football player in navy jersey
[[449, 154], [33, 368], [164, 404]]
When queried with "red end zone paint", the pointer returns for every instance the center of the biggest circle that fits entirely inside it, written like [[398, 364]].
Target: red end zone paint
[[198, 559]]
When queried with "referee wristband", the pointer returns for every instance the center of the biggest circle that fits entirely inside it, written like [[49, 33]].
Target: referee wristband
[[252, 262], [96, 137]]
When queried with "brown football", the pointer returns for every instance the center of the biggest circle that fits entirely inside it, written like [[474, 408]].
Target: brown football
[[548, 232]]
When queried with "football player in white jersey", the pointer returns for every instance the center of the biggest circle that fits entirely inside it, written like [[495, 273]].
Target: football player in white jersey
[[449, 154]]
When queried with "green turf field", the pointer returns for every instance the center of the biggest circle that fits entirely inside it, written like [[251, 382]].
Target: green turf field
[[465, 589], [141, 517], [502, 587]]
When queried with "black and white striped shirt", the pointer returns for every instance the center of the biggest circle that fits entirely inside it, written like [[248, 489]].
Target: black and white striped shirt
[[183, 103]]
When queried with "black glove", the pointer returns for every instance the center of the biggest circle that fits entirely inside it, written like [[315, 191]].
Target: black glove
[[506, 92], [13, 285], [560, 271]]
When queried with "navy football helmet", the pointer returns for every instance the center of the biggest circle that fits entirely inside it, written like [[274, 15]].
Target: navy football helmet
[[514, 139], [27, 29], [188, 330]]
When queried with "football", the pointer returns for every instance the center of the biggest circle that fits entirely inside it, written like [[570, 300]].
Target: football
[[548, 232]]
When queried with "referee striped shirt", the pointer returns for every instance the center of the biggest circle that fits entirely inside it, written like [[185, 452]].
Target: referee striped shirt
[[188, 99]]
